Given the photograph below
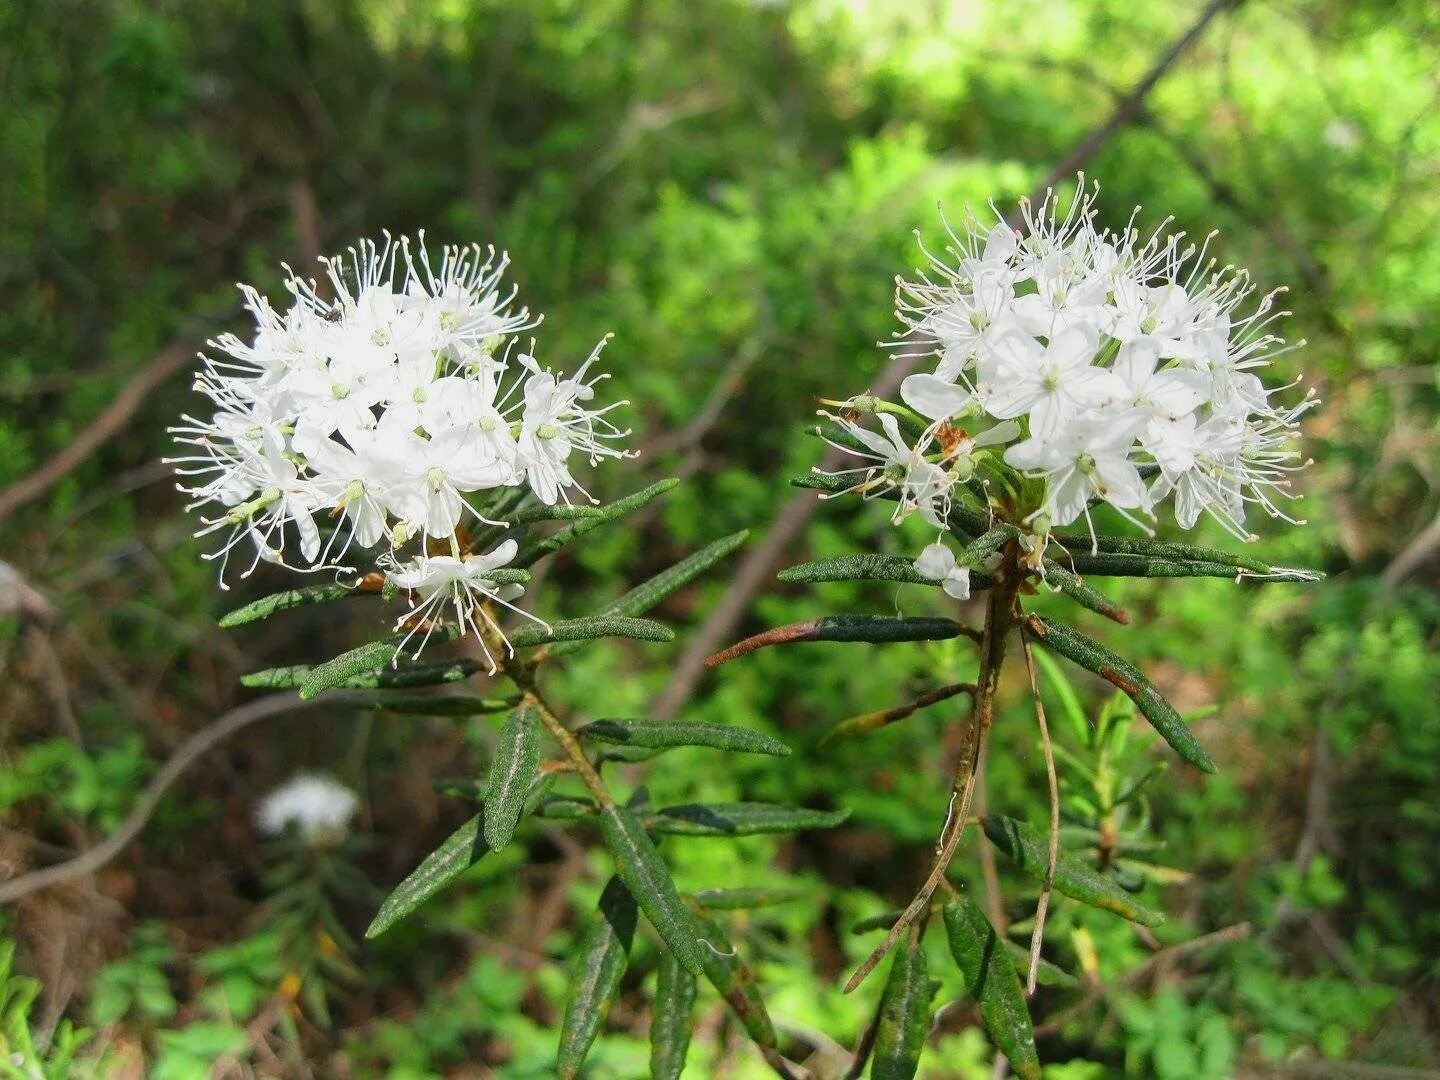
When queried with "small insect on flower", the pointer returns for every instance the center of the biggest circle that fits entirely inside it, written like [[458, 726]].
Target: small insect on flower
[[316, 807]]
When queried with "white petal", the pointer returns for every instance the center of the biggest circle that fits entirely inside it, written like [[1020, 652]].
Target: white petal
[[935, 562]]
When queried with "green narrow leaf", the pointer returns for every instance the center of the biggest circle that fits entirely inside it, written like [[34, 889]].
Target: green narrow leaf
[[1073, 877], [735, 982], [857, 568], [739, 819], [1093, 656], [648, 879], [671, 1018], [991, 979], [886, 628], [595, 626], [338, 671], [649, 593], [904, 1014], [652, 733], [284, 601], [1117, 564], [1083, 593], [528, 515], [532, 553], [464, 848], [410, 675], [440, 704], [1164, 549], [599, 962], [277, 678], [745, 899], [566, 807], [517, 760]]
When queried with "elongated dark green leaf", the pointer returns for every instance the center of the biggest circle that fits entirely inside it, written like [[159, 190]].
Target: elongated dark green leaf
[[507, 575], [566, 807], [734, 981], [645, 874], [857, 568], [338, 671], [528, 515], [873, 628], [1073, 876], [904, 1014], [886, 628], [1164, 549], [745, 899], [284, 601], [596, 626], [532, 553], [410, 675], [464, 848], [277, 678], [1093, 656], [740, 819], [671, 1018], [652, 733], [517, 759], [441, 704], [991, 979], [630, 754], [599, 962], [1083, 593], [649, 593], [1118, 564]]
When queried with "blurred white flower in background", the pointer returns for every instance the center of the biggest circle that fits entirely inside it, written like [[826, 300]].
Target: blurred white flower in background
[[317, 807]]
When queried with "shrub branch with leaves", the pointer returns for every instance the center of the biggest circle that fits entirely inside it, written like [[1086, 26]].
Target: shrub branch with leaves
[[384, 408], [1075, 368]]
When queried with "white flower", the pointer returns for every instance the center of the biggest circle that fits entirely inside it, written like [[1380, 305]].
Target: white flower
[[1107, 351], [317, 807], [1088, 459], [1052, 383], [937, 563], [556, 424], [443, 585], [922, 485], [386, 409]]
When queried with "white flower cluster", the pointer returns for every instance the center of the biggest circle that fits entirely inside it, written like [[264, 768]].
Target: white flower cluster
[[385, 399], [317, 807], [1119, 369]]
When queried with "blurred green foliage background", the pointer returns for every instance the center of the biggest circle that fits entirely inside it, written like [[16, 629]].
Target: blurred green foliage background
[[730, 187]]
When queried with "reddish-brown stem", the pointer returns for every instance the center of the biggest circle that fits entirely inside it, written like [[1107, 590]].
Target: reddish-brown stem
[[999, 618]]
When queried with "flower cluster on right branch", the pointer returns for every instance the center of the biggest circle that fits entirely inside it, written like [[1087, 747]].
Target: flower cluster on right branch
[[1077, 365]]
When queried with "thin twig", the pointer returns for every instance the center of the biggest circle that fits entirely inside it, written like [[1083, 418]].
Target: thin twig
[[186, 755], [1042, 908]]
